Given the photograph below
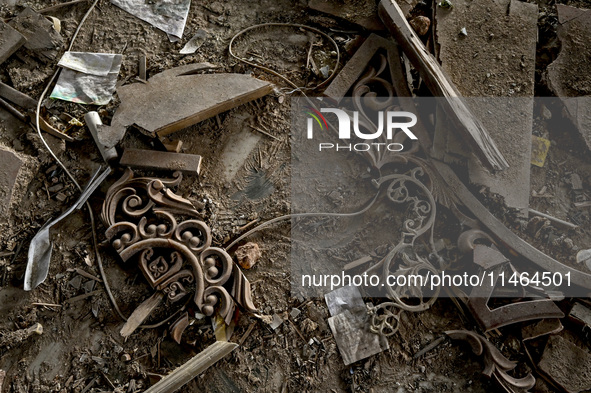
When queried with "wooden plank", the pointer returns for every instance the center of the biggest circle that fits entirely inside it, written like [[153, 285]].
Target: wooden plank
[[356, 66], [16, 97], [195, 366], [163, 160], [10, 41], [180, 97], [141, 313], [467, 124]]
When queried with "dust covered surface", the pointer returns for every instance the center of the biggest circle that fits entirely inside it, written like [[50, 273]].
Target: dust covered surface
[[81, 348]]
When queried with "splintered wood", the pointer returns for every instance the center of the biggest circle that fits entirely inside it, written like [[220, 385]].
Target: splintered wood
[[496, 59], [188, 371], [467, 124]]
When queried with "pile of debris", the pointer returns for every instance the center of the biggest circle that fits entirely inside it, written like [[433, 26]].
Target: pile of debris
[[182, 143]]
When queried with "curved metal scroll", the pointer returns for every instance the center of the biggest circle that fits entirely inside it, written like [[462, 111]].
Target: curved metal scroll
[[147, 223]]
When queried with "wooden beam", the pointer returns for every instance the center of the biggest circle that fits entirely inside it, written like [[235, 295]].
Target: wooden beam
[[467, 124], [195, 366]]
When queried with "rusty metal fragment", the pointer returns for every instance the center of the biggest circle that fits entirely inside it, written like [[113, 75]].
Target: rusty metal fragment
[[163, 235], [178, 327], [163, 160], [495, 363]]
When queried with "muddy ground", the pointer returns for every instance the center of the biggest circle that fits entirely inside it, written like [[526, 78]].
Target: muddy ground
[[81, 349]]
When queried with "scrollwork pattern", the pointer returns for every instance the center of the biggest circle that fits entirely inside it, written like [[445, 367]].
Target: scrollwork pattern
[[174, 254]]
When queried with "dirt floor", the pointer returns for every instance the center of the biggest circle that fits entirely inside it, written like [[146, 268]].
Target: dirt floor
[[81, 349]]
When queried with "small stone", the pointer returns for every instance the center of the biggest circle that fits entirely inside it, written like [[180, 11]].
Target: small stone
[[308, 325], [276, 322], [546, 114], [584, 256], [248, 255], [464, 32], [295, 312], [56, 187], [420, 24], [61, 197], [17, 145]]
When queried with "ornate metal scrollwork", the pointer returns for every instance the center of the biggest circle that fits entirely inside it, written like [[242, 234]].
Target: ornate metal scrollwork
[[495, 363], [161, 232], [402, 266]]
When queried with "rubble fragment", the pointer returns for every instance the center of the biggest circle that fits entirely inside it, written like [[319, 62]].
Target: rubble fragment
[[584, 256], [11, 41], [42, 39], [420, 24], [276, 322], [295, 312], [566, 364], [195, 42], [568, 75], [174, 146], [248, 255], [581, 313]]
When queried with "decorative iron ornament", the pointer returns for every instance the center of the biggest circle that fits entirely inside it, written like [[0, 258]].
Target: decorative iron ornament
[[161, 232], [496, 365]]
